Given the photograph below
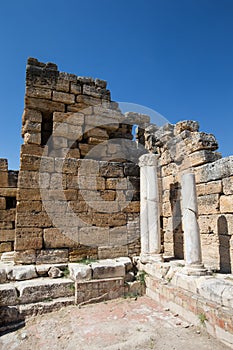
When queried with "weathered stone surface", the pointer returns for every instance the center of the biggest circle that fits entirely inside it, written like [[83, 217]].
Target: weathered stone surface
[[214, 171], [43, 289], [5, 247], [209, 188], [94, 236], [80, 272], [25, 257], [2, 275], [228, 185], [44, 105], [20, 273], [8, 295], [52, 256], [2, 203], [208, 204], [28, 238], [202, 157], [42, 270], [186, 125], [54, 238], [63, 97], [108, 269], [55, 272], [226, 204], [127, 262]]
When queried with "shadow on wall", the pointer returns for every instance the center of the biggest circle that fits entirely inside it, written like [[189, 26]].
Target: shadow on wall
[[224, 245], [178, 237]]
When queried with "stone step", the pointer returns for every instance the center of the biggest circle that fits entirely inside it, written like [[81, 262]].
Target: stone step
[[39, 289]]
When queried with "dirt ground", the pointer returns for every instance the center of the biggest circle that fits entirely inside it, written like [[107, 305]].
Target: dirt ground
[[123, 324]]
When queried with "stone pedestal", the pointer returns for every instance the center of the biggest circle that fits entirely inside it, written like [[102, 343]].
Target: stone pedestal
[[193, 256], [149, 210]]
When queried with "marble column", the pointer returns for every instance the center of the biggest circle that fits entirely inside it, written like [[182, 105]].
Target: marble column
[[149, 213], [193, 256]]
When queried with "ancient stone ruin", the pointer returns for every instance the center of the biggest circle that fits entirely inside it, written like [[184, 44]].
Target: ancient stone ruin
[[91, 188]]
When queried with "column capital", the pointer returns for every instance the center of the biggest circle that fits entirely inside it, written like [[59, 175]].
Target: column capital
[[149, 159]]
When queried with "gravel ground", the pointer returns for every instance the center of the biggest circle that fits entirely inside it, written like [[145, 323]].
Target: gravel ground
[[123, 324]]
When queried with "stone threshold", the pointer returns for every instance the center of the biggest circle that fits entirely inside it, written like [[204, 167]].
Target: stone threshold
[[205, 301]]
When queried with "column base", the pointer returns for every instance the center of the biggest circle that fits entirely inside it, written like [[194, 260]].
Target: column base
[[195, 270], [151, 258]]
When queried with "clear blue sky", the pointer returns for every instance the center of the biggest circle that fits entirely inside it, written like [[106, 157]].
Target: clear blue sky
[[174, 56]]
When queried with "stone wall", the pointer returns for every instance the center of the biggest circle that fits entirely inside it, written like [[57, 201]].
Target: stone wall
[[78, 190], [8, 187], [182, 148]]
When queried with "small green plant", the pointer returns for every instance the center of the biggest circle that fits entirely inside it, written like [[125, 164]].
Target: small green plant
[[131, 295], [141, 277], [202, 317], [47, 300], [66, 272], [72, 287], [169, 279]]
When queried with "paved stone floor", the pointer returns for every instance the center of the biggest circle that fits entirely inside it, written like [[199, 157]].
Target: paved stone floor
[[122, 324]]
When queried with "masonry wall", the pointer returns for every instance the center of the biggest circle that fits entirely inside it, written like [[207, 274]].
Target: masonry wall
[[8, 187], [78, 189], [183, 148]]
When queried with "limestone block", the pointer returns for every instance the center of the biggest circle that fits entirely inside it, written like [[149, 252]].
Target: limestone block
[[73, 153], [108, 195], [75, 133], [52, 256], [75, 88], [70, 118], [166, 209], [3, 178], [109, 252], [40, 219], [28, 238], [25, 256], [226, 204], [200, 140], [54, 238], [82, 252], [108, 268], [5, 247], [44, 105], [108, 122], [190, 125], [167, 181], [169, 169], [80, 272], [20, 273], [97, 133], [208, 204], [117, 219], [3, 164], [211, 187], [30, 138], [32, 115], [7, 215], [29, 206], [29, 194], [35, 163], [7, 235], [91, 183], [111, 170], [214, 171], [8, 295], [63, 97], [2, 275], [132, 207], [60, 142], [115, 183], [118, 236], [127, 262], [39, 290], [85, 149], [202, 157], [33, 179], [2, 203], [228, 185], [92, 90], [94, 236], [38, 92]]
